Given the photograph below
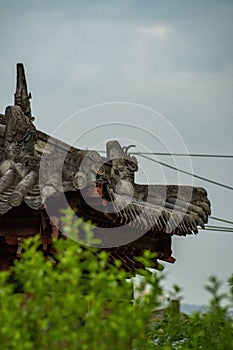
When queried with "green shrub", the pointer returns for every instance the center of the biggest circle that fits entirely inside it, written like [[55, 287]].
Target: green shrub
[[86, 304], [82, 303]]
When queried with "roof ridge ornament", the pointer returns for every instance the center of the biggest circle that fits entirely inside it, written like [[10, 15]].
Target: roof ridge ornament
[[20, 133], [22, 97]]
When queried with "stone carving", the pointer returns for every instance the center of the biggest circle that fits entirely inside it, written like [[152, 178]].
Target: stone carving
[[20, 134]]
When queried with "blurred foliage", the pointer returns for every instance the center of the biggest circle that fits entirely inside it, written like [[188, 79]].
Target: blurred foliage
[[209, 330], [86, 304]]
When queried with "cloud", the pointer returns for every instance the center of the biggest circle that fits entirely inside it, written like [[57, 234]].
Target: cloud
[[158, 31]]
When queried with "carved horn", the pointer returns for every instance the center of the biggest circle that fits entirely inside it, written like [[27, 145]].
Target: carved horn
[[22, 97]]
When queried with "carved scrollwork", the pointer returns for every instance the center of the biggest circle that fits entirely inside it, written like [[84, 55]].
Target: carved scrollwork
[[20, 133]]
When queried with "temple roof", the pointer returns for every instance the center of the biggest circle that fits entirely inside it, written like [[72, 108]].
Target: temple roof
[[36, 168], [19, 182]]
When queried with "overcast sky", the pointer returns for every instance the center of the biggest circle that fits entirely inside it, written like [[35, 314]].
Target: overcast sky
[[173, 57]]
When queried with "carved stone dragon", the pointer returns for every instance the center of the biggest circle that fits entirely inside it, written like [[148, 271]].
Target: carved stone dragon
[[39, 175]]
